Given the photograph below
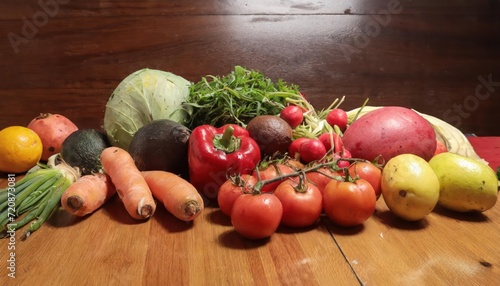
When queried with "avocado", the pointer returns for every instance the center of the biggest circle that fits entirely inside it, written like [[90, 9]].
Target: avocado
[[161, 145], [83, 149], [272, 134]]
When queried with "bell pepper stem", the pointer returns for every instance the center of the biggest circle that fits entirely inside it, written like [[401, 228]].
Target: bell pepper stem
[[227, 142]]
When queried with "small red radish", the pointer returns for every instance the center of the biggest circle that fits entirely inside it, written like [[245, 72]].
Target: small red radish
[[344, 154], [293, 115], [337, 117], [294, 148], [52, 130], [326, 139], [312, 150]]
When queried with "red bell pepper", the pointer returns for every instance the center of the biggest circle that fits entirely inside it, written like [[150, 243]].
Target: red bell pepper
[[214, 154]]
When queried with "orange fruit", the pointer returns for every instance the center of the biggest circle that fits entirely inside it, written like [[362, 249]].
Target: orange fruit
[[20, 149]]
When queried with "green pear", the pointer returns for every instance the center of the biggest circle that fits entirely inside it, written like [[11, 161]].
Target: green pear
[[466, 184]]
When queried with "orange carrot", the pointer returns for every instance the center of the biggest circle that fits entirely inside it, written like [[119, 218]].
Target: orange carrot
[[178, 196], [129, 183], [87, 194]]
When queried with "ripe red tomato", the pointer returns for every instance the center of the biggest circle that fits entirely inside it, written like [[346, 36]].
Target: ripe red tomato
[[302, 204], [269, 172], [231, 189], [349, 203], [369, 172], [256, 216], [321, 178], [312, 150]]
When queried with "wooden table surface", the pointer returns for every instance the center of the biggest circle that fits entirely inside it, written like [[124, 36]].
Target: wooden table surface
[[439, 57]]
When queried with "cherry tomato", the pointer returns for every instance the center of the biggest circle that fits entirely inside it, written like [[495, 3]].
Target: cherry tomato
[[321, 178], [231, 189], [294, 148], [337, 117], [369, 172], [256, 216], [271, 171], [349, 203], [440, 147], [302, 203], [293, 115], [312, 150]]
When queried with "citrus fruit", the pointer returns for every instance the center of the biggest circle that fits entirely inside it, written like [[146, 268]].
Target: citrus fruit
[[410, 187], [466, 183], [20, 149]]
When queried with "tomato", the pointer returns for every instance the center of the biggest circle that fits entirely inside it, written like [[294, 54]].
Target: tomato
[[312, 150], [349, 203], [321, 178], [293, 115], [271, 171], [231, 189], [256, 216], [302, 204], [337, 117], [369, 172], [440, 147]]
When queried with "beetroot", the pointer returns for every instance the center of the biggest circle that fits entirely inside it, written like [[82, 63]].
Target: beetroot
[[390, 131], [52, 130]]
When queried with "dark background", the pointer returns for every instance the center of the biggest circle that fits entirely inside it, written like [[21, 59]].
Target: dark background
[[438, 57]]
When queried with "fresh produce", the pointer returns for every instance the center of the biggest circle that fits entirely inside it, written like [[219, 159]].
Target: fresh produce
[[256, 216], [161, 145], [179, 197], [35, 197], [87, 194], [20, 149], [332, 142], [454, 140], [214, 154], [337, 117], [294, 148], [233, 188], [272, 134], [312, 150], [236, 98], [302, 203], [388, 132], [144, 96], [440, 147], [271, 170], [129, 182], [466, 184], [293, 115], [369, 172], [321, 177], [349, 203], [52, 130], [82, 150], [410, 187]]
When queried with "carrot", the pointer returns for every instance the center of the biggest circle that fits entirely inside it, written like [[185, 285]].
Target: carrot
[[178, 196], [129, 183], [87, 194]]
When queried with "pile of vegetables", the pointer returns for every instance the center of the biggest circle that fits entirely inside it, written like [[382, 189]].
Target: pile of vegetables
[[254, 146]]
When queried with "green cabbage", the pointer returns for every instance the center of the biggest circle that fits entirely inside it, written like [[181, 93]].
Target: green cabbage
[[142, 97]]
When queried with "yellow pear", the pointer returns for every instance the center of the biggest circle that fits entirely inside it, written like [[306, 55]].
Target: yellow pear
[[409, 187], [466, 184]]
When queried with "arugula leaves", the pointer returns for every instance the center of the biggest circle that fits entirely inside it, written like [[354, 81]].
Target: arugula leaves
[[236, 98]]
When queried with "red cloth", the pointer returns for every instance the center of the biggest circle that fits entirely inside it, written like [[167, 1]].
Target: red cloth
[[487, 148]]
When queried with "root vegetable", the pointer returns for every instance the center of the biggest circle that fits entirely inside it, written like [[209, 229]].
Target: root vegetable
[[129, 182]]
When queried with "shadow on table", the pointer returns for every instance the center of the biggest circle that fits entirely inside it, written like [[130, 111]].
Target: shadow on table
[[462, 216], [390, 219]]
